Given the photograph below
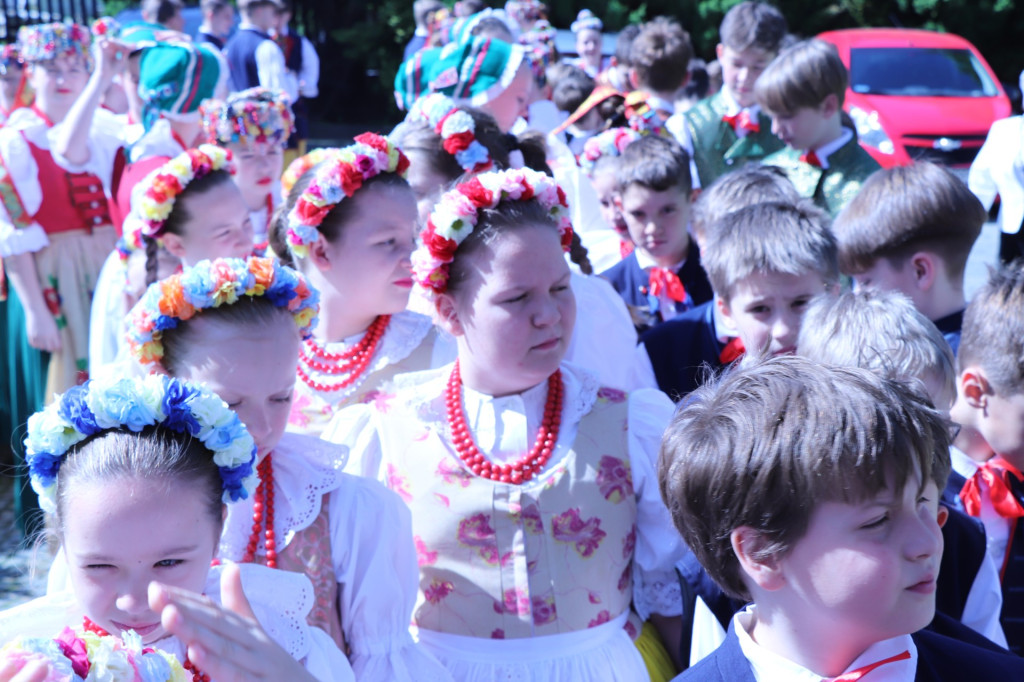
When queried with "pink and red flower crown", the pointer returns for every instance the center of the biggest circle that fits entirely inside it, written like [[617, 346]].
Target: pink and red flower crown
[[457, 212], [337, 178], [154, 197]]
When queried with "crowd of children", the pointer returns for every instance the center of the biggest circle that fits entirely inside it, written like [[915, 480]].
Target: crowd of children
[[591, 369]]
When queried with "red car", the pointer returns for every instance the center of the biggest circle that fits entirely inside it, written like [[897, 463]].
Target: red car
[[918, 94]]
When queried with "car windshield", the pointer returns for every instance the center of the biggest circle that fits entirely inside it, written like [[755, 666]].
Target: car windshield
[[918, 72]]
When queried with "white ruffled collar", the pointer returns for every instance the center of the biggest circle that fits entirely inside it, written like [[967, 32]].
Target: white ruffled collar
[[404, 334], [305, 469]]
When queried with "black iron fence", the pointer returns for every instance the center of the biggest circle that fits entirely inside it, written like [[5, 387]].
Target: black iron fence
[[17, 13]]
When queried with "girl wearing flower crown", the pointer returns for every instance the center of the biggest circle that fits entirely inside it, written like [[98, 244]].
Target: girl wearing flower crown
[[184, 211], [236, 326], [155, 460], [599, 161], [536, 514], [351, 231], [254, 125]]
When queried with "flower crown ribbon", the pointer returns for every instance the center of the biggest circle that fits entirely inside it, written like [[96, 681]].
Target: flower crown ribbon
[[339, 177], [457, 212], [456, 128], [256, 115], [156, 194], [81, 655], [211, 284], [131, 403], [607, 143]]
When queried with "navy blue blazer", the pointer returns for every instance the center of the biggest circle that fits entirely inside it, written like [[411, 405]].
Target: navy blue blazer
[[631, 281], [684, 351], [939, 659]]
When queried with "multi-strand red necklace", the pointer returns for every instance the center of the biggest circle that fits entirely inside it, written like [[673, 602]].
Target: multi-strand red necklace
[[349, 365], [197, 675], [532, 462], [263, 515]]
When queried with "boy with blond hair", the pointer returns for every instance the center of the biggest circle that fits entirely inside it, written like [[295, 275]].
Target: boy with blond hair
[[883, 332], [812, 492], [802, 91], [910, 229], [728, 129], [990, 399], [694, 345], [663, 276]]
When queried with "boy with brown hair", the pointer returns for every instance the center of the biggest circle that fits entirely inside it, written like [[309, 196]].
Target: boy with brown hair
[[990, 399], [688, 349], [729, 128], [659, 57], [910, 229], [802, 91], [812, 491], [663, 276]]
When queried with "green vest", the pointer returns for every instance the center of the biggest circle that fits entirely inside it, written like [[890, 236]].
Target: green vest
[[832, 188], [716, 147]]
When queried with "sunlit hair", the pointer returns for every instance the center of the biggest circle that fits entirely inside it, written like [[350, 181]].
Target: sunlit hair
[[801, 77], [993, 330], [751, 184], [768, 444], [753, 25]]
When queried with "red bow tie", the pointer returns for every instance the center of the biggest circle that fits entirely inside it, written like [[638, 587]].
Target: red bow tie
[[857, 674], [666, 283], [996, 474], [733, 351], [742, 121], [811, 158]]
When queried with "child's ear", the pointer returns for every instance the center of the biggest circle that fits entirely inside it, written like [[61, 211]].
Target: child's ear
[[448, 315], [318, 254], [925, 269], [761, 568], [719, 51], [974, 387], [830, 106], [943, 515], [723, 307], [173, 244], [634, 82]]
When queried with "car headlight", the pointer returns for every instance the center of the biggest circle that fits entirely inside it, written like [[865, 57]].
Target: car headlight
[[869, 130]]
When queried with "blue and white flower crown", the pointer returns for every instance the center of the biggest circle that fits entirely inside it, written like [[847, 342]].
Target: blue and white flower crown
[[134, 404]]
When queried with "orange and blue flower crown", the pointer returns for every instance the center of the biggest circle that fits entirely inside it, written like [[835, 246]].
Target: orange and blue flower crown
[[337, 178], [133, 404], [211, 284]]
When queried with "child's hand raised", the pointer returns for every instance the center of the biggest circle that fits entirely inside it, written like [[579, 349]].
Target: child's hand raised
[[224, 641], [12, 671]]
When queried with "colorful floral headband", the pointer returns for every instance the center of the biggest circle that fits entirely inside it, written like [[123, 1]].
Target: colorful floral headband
[[106, 26], [156, 194], [456, 128], [458, 210], [300, 166], [112, 403], [611, 142], [43, 42], [256, 115], [341, 177], [81, 655], [211, 284]]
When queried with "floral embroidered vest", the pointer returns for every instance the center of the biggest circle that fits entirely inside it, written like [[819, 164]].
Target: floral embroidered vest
[[309, 552], [504, 561], [313, 410]]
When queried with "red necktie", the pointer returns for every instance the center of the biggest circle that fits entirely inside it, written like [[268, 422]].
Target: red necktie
[[742, 121], [733, 351], [857, 674], [996, 474], [666, 283], [811, 158]]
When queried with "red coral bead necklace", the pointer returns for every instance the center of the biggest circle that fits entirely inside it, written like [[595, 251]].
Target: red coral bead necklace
[[350, 364], [263, 515], [527, 466]]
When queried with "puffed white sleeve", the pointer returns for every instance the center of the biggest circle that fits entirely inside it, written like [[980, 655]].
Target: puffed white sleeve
[[106, 137], [378, 578], [658, 544], [21, 197], [980, 178], [354, 427], [281, 600], [604, 336]]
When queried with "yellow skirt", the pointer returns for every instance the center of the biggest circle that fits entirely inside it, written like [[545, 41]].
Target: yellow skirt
[[659, 664], [68, 269]]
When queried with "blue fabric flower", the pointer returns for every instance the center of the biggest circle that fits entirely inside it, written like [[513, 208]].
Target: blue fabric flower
[[120, 405], [232, 481], [164, 322], [73, 407], [43, 465], [175, 405]]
